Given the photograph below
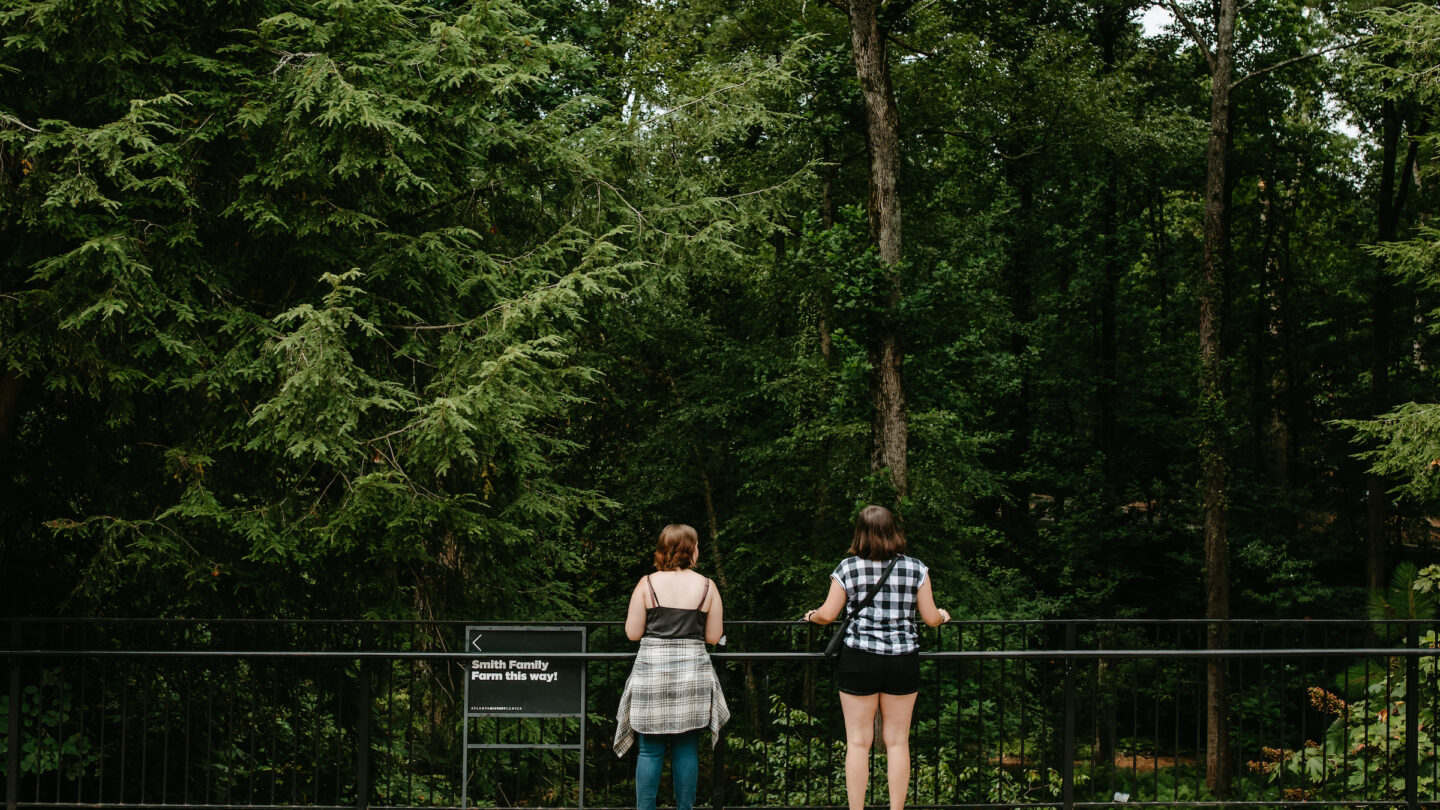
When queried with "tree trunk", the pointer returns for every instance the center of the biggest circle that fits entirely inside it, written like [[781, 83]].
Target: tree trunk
[[882, 134], [1381, 330], [707, 491], [1109, 429], [1110, 18], [1272, 370], [1214, 459], [11, 386], [1015, 515], [827, 221]]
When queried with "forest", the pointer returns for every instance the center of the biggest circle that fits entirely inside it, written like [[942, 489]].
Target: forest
[[441, 310]]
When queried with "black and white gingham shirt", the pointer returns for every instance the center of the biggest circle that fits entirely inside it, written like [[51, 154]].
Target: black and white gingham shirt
[[887, 626]]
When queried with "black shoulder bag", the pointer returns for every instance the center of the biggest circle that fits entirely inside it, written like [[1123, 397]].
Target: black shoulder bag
[[832, 649]]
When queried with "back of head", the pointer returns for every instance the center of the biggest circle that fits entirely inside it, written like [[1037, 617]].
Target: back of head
[[877, 534], [676, 549]]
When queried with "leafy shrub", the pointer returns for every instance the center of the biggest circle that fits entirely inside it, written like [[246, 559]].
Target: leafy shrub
[[45, 719]]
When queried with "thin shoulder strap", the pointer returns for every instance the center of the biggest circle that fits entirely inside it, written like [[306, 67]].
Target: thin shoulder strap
[[705, 595], [653, 595]]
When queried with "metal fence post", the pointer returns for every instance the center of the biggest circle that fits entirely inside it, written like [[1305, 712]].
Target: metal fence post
[[12, 726], [362, 732], [717, 763], [1412, 716], [1067, 765]]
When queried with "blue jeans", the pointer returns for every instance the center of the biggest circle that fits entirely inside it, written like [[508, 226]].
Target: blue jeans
[[684, 768]]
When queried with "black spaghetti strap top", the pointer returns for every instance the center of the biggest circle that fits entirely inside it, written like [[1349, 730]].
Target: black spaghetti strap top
[[670, 622]]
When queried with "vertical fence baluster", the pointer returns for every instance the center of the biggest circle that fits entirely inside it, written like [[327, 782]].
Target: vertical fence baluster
[[1412, 714], [165, 741], [1155, 725], [362, 747], [982, 670], [1434, 761], [123, 668], [146, 687], [12, 726], [960, 692], [83, 715], [210, 746], [1068, 763]]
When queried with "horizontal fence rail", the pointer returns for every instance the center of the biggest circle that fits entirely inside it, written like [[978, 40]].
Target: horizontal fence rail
[[1080, 713]]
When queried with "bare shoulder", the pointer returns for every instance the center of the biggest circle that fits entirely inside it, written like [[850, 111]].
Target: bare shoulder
[[641, 593]]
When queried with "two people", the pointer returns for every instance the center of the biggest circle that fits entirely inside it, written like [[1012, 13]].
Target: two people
[[673, 693]]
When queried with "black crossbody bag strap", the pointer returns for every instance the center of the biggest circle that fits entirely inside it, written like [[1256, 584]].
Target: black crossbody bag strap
[[870, 597]]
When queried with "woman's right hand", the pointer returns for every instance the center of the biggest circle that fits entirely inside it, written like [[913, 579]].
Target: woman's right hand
[[830, 610]]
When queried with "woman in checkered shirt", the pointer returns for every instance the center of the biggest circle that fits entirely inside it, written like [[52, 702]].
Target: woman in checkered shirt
[[879, 665]]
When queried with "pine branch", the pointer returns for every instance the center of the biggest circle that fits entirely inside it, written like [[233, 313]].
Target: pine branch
[[712, 94], [10, 119]]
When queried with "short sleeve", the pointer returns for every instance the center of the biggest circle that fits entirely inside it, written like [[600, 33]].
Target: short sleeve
[[844, 574]]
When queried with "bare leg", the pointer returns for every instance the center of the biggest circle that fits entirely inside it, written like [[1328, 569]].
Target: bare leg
[[859, 711], [895, 712]]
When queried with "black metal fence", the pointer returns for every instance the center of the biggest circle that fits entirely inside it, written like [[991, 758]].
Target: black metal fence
[[1059, 713]]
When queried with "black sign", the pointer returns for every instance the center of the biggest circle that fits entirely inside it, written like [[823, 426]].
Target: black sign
[[521, 681]]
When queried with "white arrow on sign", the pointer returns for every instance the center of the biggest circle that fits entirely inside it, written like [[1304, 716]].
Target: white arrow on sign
[[475, 642]]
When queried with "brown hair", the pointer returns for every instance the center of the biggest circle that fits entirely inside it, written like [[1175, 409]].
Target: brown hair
[[877, 535], [676, 549]]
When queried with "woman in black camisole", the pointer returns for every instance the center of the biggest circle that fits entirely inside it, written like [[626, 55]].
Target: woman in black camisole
[[672, 694]]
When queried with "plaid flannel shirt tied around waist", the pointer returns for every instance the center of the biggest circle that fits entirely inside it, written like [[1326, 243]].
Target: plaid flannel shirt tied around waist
[[672, 689]]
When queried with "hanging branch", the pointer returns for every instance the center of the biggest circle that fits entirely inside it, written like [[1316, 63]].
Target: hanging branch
[[1292, 60], [955, 133], [1193, 31], [907, 46]]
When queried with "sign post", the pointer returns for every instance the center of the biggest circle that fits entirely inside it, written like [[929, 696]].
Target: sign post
[[515, 678]]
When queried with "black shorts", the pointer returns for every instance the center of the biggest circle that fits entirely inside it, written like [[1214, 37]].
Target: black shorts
[[865, 673]]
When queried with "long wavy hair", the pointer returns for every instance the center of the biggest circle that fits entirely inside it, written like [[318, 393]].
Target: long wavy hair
[[676, 548]]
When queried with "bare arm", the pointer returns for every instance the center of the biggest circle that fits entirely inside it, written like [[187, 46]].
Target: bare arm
[[635, 616], [830, 611], [715, 617], [925, 603]]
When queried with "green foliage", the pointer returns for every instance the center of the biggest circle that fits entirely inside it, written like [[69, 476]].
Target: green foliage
[[1363, 751], [1404, 446], [397, 308], [1411, 595], [49, 740], [804, 765], [1181, 784], [323, 269]]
